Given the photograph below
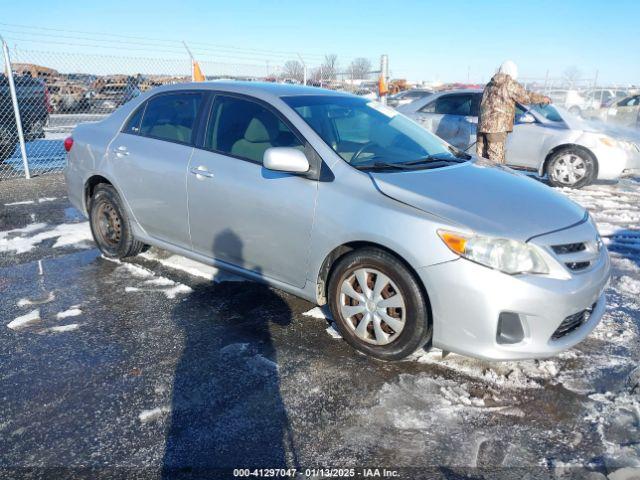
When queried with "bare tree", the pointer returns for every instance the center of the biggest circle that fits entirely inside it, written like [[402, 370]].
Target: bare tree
[[329, 67], [360, 68], [572, 75], [294, 70]]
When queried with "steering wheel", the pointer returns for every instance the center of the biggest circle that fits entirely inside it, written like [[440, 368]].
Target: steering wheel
[[361, 150]]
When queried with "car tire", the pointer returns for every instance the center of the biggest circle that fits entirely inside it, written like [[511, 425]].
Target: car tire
[[576, 111], [408, 314], [110, 225], [571, 167]]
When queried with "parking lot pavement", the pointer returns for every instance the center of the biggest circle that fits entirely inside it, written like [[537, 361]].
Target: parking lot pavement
[[158, 363]]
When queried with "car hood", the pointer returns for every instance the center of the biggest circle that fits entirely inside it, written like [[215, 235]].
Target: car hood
[[483, 197], [592, 125]]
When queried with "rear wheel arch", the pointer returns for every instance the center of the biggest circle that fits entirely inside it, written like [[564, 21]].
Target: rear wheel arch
[[90, 186]]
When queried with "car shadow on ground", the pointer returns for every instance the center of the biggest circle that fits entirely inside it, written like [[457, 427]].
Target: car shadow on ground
[[227, 411]]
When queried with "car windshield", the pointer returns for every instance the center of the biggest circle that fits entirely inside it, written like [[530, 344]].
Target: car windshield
[[368, 134], [547, 111]]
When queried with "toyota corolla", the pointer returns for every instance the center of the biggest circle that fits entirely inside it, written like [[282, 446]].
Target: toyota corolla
[[343, 201]]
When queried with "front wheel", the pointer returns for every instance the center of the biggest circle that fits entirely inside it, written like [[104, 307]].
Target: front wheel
[[378, 304], [572, 168], [110, 226]]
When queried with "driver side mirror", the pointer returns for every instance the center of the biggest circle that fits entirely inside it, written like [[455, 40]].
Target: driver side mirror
[[285, 159], [525, 118]]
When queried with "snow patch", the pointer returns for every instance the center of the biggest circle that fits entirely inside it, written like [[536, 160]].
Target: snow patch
[[170, 293], [147, 416], [194, 268], [520, 374], [67, 234], [24, 202], [25, 320], [23, 302], [321, 313], [629, 285], [65, 328], [333, 333], [71, 312]]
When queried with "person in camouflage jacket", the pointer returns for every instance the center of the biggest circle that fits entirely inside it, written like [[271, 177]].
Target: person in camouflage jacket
[[497, 111]]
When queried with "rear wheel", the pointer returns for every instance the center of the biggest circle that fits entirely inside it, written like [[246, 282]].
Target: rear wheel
[[571, 167], [110, 226], [378, 304]]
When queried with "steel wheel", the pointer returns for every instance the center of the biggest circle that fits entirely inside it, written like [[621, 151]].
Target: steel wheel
[[568, 169], [372, 305], [109, 224]]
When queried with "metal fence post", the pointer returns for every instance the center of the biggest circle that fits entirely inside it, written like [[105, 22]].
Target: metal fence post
[[16, 108], [384, 73]]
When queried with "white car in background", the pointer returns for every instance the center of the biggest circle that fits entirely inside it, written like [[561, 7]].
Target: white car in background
[[572, 100], [547, 140]]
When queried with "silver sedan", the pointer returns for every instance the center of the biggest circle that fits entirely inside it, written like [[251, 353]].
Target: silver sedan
[[343, 201], [546, 140]]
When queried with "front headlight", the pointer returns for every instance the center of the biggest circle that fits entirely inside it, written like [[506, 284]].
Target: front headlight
[[608, 141], [508, 256]]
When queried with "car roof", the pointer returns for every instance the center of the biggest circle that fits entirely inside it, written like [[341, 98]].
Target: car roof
[[459, 90], [258, 89]]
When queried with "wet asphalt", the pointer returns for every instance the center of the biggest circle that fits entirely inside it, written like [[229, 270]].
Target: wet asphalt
[[233, 374]]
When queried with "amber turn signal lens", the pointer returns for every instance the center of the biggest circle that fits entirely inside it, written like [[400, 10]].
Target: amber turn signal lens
[[455, 242]]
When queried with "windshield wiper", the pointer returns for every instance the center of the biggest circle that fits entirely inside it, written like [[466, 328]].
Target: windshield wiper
[[384, 165], [434, 159]]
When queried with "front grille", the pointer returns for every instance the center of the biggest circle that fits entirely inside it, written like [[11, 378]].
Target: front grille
[[569, 248], [577, 256], [575, 266], [572, 322]]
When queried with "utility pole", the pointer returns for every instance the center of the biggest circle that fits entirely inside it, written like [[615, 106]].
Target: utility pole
[[304, 69]]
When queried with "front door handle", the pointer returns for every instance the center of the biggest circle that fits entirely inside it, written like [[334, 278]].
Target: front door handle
[[201, 172], [121, 151]]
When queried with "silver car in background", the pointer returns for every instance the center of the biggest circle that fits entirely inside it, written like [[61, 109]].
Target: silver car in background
[[407, 96], [343, 201], [548, 140]]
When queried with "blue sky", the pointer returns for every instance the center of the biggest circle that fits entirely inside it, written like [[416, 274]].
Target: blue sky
[[424, 40]]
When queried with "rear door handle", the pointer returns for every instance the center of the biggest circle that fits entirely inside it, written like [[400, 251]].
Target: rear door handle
[[201, 172], [121, 151]]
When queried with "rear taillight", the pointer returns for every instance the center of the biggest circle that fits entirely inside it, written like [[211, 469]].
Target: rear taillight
[[68, 143]]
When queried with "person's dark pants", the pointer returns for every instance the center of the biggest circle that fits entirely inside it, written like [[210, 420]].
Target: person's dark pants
[[491, 146]]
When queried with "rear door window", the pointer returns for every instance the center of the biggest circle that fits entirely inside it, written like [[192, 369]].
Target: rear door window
[[245, 129], [450, 105], [172, 116]]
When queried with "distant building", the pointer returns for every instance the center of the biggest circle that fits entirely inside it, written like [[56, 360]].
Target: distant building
[[36, 71]]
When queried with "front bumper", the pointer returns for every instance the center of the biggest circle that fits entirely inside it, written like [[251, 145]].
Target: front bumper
[[467, 300]]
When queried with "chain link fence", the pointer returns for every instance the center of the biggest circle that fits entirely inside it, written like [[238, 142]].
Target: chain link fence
[[57, 90]]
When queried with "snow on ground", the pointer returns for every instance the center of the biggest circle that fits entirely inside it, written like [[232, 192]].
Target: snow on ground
[[71, 312], [23, 302], [21, 240], [147, 416], [31, 202], [192, 267], [149, 281], [65, 328], [24, 320]]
